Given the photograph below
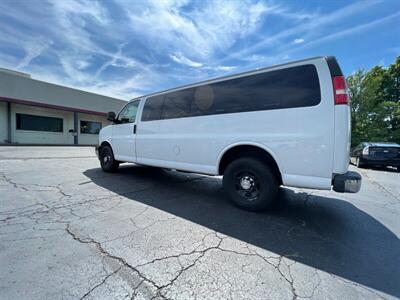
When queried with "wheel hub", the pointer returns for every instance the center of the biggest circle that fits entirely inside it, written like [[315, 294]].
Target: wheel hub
[[106, 159], [247, 185], [246, 182]]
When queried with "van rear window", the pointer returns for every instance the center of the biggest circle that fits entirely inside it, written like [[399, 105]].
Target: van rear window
[[285, 88]]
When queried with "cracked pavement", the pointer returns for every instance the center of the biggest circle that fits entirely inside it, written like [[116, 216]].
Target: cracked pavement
[[70, 231]]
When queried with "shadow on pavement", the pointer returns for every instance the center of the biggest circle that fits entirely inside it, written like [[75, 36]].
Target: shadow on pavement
[[325, 233], [385, 169]]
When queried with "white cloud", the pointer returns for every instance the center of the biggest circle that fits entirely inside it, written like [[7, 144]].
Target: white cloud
[[122, 87], [336, 35], [298, 41], [92, 9], [352, 30], [311, 26], [84, 44], [180, 58], [82, 64], [69, 48], [214, 26], [224, 68], [33, 49]]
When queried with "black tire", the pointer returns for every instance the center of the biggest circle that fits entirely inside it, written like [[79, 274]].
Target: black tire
[[107, 160], [359, 164], [398, 168], [250, 184]]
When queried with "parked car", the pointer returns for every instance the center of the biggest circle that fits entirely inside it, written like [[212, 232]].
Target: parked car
[[376, 154], [283, 125]]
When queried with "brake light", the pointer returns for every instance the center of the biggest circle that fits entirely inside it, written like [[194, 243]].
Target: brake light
[[340, 90]]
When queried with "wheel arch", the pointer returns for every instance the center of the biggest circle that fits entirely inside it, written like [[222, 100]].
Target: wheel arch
[[105, 143], [237, 150]]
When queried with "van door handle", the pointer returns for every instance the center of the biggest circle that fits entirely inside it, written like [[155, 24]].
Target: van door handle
[[134, 129]]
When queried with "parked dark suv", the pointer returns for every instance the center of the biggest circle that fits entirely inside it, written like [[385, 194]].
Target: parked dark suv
[[376, 154]]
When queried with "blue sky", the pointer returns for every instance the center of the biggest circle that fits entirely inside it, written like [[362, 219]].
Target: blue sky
[[128, 48]]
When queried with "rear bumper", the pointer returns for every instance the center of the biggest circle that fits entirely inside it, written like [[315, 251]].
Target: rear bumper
[[373, 161], [349, 182]]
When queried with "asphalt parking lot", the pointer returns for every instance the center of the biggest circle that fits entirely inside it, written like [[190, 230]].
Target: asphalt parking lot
[[70, 231]]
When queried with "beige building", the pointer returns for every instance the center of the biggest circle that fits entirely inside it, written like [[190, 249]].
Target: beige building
[[37, 112]]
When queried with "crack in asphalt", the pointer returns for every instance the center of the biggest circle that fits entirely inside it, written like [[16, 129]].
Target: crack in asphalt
[[101, 282], [30, 213], [8, 180], [36, 211], [201, 253], [123, 262], [103, 252], [377, 184]]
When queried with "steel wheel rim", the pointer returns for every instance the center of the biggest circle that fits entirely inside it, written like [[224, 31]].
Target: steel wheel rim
[[247, 185], [106, 158]]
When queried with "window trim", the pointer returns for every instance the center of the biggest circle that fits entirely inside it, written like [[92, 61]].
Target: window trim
[[34, 130]]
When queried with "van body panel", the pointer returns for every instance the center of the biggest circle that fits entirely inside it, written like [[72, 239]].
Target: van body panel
[[342, 127], [311, 182], [309, 143], [247, 143], [106, 134], [302, 146]]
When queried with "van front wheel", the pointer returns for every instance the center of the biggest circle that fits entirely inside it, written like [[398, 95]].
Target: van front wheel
[[250, 184], [107, 160]]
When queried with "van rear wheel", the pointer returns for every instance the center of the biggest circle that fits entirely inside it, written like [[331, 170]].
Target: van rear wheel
[[250, 184], [107, 160]]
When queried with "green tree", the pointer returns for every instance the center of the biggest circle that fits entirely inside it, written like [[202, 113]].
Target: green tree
[[375, 97], [355, 84], [391, 104]]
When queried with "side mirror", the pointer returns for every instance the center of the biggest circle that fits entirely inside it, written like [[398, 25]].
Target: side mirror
[[111, 116]]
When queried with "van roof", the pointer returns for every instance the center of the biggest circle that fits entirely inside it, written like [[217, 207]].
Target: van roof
[[330, 60]]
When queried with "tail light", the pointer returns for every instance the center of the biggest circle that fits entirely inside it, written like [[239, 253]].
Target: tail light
[[340, 90], [365, 151]]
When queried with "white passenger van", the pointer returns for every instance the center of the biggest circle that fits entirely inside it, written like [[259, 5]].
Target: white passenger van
[[283, 125]]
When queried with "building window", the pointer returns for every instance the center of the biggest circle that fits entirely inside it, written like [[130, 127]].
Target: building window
[[38, 123], [90, 127]]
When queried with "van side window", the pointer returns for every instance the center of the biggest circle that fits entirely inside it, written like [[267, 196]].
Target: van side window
[[128, 113], [177, 104], [285, 88], [152, 108]]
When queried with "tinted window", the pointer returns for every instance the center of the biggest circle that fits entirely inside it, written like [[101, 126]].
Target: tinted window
[[152, 108], [177, 104], [38, 123], [128, 113], [90, 127], [285, 88]]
